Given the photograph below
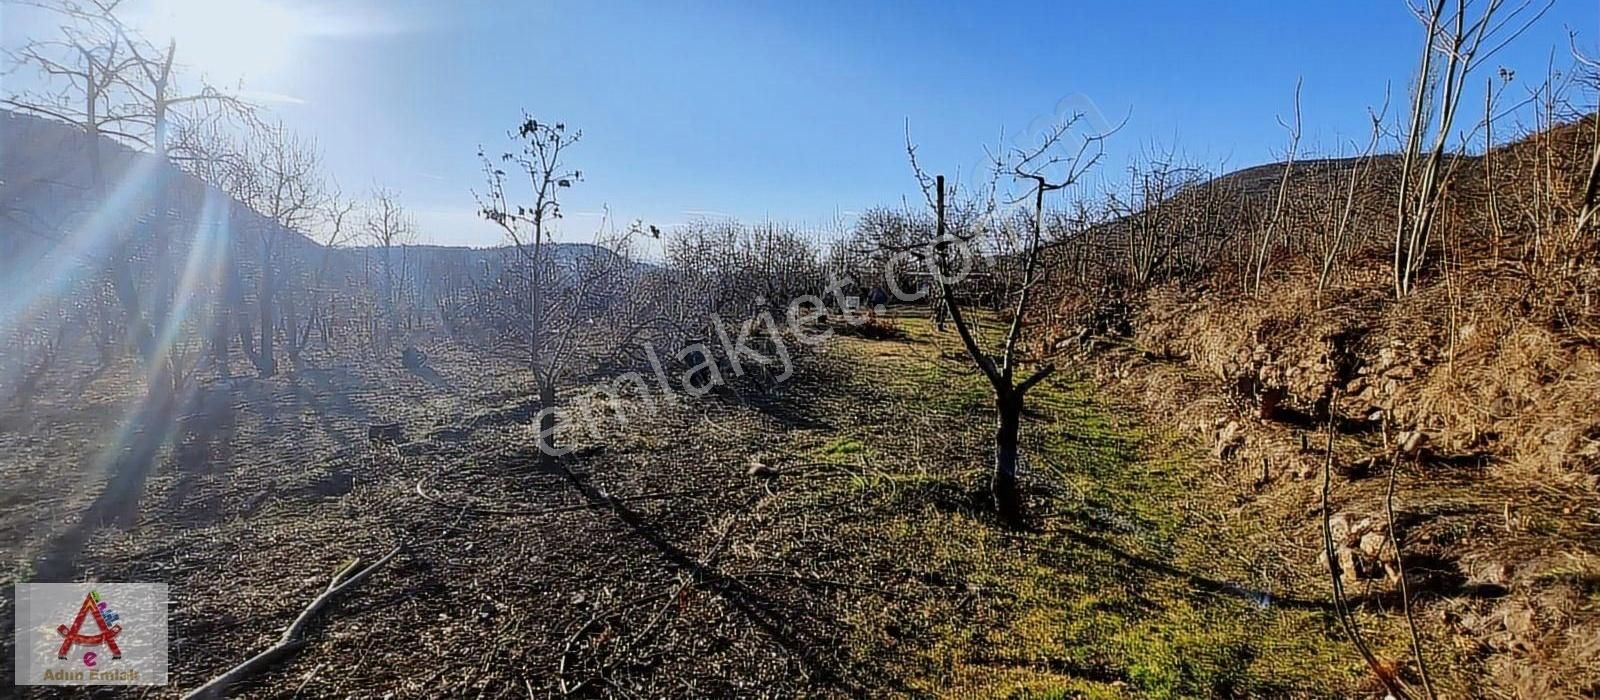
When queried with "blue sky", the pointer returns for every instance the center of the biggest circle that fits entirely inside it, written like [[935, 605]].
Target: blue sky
[[797, 111]]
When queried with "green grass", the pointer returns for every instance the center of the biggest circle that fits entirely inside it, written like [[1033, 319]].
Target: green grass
[[1112, 595], [842, 448]]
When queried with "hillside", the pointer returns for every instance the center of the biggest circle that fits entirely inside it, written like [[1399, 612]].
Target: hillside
[[54, 218], [1471, 401], [1089, 421]]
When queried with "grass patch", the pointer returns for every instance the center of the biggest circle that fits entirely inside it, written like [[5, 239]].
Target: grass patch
[[1108, 596], [842, 448]]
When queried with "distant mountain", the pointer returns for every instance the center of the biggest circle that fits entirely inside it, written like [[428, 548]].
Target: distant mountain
[[49, 203], [51, 216], [1263, 180]]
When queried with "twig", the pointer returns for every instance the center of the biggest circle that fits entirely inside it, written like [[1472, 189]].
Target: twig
[[708, 560], [812, 580], [484, 510], [1340, 605], [704, 562], [292, 637], [566, 650], [1405, 594], [309, 676]]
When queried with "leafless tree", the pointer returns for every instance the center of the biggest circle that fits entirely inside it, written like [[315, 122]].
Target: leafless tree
[[1261, 251], [1048, 166], [1169, 216], [282, 182], [1588, 204], [338, 228], [389, 226], [84, 67], [1458, 38], [1337, 227], [538, 157]]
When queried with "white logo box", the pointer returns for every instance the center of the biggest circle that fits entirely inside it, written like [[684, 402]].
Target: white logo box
[[133, 653]]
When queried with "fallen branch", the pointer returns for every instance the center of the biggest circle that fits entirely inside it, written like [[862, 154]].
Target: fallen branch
[[292, 637], [566, 650]]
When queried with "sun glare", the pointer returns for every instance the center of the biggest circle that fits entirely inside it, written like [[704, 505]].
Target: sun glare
[[253, 41]]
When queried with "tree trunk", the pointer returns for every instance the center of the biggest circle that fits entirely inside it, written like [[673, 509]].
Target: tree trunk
[[547, 419], [266, 361], [119, 265], [388, 295], [142, 337], [247, 341], [1008, 404], [291, 328], [221, 320]]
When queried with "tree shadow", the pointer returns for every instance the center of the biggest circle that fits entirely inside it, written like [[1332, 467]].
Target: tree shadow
[[327, 393], [208, 431], [433, 378], [767, 614], [1425, 573], [787, 410], [129, 462], [1201, 583]]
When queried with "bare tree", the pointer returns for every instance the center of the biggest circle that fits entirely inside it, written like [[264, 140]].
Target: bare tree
[[1335, 230], [1047, 169], [337, 225], [1463, 36], [1261, 252], [83, 68], [540, 146], [282, 182], [1589, 203], [1171, 211], [101, 77], [388, 226], [156, 95]]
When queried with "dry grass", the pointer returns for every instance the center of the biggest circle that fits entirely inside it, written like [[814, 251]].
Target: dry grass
[[1495, 360], [648, 562]]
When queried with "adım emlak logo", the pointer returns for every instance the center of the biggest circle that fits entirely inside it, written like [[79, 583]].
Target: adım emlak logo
[[103, 618]]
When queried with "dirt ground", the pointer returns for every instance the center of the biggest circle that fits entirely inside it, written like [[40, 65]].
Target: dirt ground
[[651, 562]]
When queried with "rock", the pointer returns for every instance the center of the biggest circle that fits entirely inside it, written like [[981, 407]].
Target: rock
[[1400, 372], [1228, 440], [1411, 441], [1490, 572], [1340, 527], [386, 433], [418, 447], [1345, 559], [1386, 359], [1361, 548], [1372, 544], [451, 433]]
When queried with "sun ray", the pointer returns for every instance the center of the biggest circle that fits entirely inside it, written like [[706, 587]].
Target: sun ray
[[77, 256]]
